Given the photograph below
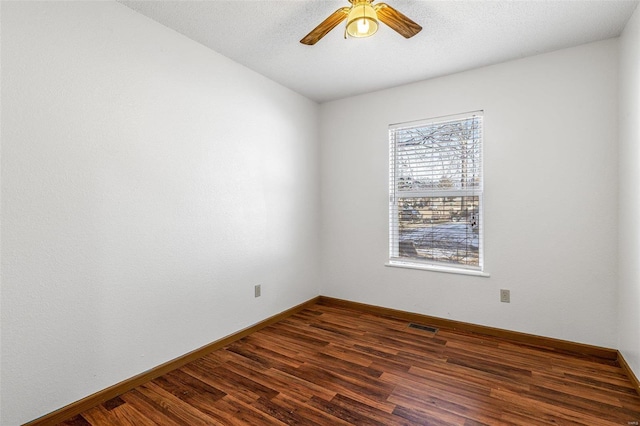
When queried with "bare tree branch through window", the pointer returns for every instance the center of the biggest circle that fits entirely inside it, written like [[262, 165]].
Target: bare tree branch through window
[[436, 191]]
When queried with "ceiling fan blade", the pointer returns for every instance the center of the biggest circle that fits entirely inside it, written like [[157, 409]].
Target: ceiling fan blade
[[396, 20], [325, 26]]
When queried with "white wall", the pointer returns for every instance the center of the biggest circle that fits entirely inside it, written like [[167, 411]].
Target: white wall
[[550, 202], [629, 195], [147, 184]]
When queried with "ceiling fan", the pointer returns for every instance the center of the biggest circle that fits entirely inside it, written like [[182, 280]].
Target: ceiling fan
[[362, 21]]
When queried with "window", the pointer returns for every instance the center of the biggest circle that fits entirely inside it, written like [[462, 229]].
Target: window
[[435, 185]]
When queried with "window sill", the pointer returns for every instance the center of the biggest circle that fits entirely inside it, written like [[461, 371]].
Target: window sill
[[434, 268]]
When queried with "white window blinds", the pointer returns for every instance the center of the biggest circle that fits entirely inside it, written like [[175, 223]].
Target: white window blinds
[[435, 184]]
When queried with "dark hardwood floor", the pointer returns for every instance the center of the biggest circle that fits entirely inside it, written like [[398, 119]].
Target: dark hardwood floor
[[335, 366]]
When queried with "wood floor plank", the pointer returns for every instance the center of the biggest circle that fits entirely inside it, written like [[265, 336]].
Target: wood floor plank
[[98, 415], [180, 411], [330, 365], [345, 414], [128, 415], [307, 411], [229, 382], [561, 384], [300, 390], [475, 406], [157, 413], [263, 355], [552, 409], [348, 354], [369, 412], [344, 367], [463, 378], [240, 413], [77, 420], [358, 390]]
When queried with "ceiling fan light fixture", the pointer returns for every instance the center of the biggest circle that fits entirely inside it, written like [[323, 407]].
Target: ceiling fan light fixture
[[362, 20]]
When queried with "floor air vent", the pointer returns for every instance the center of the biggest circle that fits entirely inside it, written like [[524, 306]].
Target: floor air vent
[[423, 327]]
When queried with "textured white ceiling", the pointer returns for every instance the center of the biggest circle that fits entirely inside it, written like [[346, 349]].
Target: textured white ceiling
[[457, 35]]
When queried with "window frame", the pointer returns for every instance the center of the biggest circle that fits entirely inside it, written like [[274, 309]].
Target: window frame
[[394, 259]]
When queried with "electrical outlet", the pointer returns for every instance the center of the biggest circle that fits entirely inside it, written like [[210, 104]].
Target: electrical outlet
[[505, 296], [257, 290]]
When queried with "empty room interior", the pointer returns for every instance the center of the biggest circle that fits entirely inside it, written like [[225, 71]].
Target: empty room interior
[[438, 223]]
